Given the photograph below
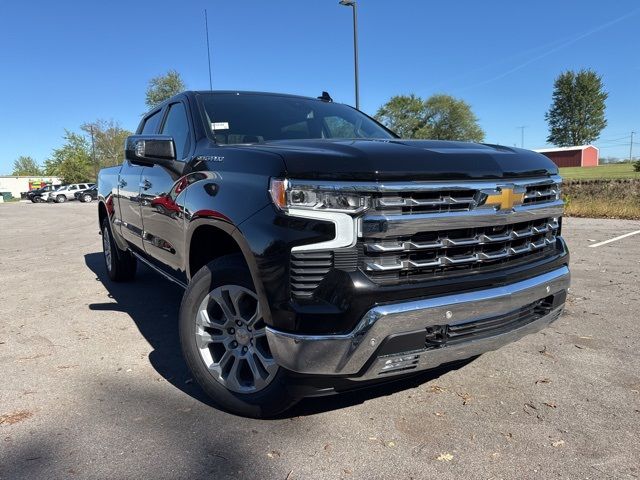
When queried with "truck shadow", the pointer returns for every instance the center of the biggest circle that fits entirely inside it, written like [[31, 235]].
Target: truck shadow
[[153, 304]]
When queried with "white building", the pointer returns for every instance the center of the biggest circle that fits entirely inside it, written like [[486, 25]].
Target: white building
[[19, 184]]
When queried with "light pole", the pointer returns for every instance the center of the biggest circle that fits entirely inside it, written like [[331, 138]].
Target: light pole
[[354, 5]]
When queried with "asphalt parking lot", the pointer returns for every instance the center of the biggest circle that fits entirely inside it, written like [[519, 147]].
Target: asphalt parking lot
[[93, 384]]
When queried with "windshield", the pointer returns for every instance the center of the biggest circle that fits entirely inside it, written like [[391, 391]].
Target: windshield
[[253, 118]]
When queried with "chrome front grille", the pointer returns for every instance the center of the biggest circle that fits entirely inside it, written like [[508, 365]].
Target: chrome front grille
[[437, 229], [439, 252]]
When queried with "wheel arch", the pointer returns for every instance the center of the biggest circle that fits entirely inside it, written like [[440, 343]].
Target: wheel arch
[[208, 239]]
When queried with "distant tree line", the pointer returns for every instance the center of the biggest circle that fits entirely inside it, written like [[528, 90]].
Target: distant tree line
[[576, 115], [97, 144]]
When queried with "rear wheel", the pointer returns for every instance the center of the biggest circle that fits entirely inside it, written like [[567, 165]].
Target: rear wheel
[[87, 198], [61, 199], [223, 338], [121, 265]]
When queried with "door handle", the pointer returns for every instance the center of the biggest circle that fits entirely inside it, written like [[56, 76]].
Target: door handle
[[145, 184], [122, 183]]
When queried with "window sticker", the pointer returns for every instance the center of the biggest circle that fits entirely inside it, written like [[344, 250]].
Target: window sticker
[[220, 126]]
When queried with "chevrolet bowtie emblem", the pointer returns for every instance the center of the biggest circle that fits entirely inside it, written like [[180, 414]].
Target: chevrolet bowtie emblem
[[506, 199]]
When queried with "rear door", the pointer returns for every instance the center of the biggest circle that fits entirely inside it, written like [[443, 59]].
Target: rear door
[[129, 189], [162, 214]]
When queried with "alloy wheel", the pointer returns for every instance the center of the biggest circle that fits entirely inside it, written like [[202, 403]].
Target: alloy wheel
[[231, 338]]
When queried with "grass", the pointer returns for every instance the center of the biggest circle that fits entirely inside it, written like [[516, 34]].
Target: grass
[[609, 171], [602, 208]]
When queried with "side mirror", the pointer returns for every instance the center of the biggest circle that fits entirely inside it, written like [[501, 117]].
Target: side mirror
[[149, 150]]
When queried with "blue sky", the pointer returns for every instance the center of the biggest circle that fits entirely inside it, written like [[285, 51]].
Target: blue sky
[[64, 63]]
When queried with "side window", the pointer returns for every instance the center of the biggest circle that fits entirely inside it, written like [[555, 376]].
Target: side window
[[177, 126], [151, 123], [73, 187]]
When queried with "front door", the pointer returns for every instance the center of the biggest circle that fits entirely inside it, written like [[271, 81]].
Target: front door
[[161, 203], [128, 198]]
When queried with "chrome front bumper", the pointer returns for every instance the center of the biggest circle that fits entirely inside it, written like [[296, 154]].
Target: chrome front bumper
[[354, 354]]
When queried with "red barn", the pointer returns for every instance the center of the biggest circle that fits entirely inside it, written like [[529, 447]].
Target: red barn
[[582, 156]]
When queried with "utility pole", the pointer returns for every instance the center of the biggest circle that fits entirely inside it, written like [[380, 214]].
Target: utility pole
[[353, 4], [631, 147], [522, 135]]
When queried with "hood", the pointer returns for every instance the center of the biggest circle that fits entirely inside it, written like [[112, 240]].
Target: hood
[[396, 159]]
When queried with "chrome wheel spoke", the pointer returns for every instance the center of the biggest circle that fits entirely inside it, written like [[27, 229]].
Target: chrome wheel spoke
[[235, 295], [259, 333], [227, 357], [204, 320], [258, 381], [224, 305], [257, 315], [204, 339], [232, 379], [267, 362]]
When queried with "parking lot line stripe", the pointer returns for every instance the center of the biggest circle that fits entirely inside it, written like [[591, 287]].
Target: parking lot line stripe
[[615, 239]]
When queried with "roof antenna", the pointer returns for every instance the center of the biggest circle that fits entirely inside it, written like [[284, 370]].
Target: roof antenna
[[325, 97], [206, 28]]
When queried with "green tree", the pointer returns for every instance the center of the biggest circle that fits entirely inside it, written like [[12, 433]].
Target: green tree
[[72, 161], [403, 114], [162, 87], [25, 165], [108, 141], [440, 117], [577, 113], [449, 118]]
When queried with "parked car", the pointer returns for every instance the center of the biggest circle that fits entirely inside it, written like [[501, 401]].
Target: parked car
[[68, 192], [36, 195], [49, 195], [320, 252], [86, 196]]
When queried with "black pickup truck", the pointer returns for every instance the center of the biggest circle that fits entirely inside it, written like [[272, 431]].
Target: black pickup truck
[[320, 252]]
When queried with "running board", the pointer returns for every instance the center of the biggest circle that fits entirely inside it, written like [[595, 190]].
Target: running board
[[161, 272]]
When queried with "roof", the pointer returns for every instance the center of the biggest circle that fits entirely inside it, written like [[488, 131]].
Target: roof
[[564, 149]]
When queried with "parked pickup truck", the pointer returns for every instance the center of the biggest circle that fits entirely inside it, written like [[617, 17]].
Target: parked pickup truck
[[319, 252]]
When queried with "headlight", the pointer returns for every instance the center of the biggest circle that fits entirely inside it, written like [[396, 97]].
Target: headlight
[[286, 195]]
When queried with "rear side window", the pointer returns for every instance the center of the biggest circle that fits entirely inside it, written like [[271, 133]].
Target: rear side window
[[151, 123], [177, 126]]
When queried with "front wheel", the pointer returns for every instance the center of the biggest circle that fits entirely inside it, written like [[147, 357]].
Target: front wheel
[[223, 338], [61, 199]]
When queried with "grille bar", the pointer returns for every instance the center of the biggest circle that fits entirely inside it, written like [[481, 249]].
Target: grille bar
[[481, 239], [443, 261]]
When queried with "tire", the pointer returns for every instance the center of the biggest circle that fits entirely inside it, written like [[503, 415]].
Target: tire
[[86, 198], [121, 265], [258, 396], [61, 199]]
